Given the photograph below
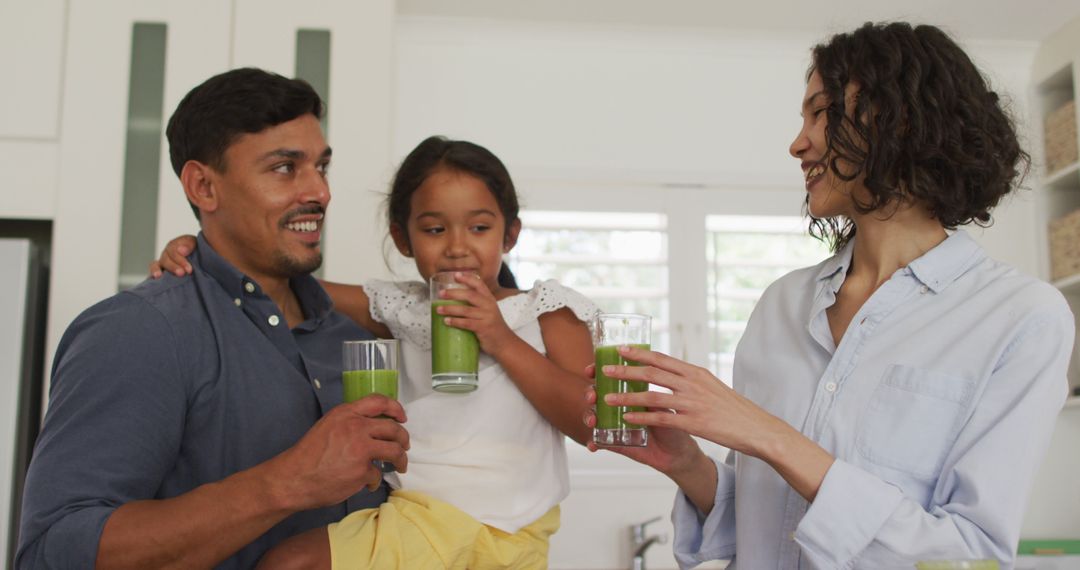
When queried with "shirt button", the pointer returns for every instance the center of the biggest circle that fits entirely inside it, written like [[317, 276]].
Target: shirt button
[[273, 320], [830, 387], [924, 289], [318, 385], [237, 302], [792, 535], [249, 287]]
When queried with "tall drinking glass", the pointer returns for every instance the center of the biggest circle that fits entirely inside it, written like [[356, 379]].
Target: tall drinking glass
[[610, 331], [455, 353], [370, 367]]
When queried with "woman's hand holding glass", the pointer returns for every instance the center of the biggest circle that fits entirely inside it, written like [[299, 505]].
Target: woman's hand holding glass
[[669, 450], [701, 405]]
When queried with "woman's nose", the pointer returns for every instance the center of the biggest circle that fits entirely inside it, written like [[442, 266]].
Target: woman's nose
[[799, 145]]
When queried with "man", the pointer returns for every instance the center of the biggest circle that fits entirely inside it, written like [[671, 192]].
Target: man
[[192, 421]]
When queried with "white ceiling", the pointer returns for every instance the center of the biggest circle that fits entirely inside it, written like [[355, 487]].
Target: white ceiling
[[1020, 20]]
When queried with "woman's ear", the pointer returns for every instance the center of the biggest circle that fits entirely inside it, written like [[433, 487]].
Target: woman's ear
[[401, 240], [200, 185], [510, 240]]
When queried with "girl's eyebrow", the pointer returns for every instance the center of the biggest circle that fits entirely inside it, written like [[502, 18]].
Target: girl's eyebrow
[[471, 213]]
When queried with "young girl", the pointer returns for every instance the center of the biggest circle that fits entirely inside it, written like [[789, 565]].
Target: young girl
[[486, 470]]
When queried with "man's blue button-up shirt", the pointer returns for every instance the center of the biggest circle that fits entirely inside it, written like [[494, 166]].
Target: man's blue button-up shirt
[[177, 383]]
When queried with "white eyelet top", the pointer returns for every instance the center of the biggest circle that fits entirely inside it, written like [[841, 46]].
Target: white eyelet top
[[489, 452]]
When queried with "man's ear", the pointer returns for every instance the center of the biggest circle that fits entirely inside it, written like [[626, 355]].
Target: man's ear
[[511, 237], [401, 239], [200, 185]]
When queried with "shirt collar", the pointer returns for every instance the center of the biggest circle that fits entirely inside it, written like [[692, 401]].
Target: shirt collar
[[838, 263], [314, 301], [936, 268], [943, 264]]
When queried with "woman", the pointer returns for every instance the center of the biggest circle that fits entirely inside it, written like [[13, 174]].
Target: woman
[[892, 403]]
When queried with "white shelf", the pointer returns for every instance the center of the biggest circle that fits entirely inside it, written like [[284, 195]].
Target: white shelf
[[1068, 177]]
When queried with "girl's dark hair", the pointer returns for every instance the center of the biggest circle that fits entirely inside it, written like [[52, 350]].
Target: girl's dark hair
[[461, 156], [925, 127]]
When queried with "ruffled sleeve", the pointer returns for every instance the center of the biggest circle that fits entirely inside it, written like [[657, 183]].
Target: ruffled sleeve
[[403, 307], [546, 297]]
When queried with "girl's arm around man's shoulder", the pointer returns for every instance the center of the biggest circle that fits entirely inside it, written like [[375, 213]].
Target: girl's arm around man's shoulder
[[353, 302]]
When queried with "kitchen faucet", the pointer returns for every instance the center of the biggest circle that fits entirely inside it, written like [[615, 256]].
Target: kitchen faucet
[[642, 543]]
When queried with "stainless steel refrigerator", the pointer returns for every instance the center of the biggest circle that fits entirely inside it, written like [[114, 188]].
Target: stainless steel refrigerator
[[23, 294]]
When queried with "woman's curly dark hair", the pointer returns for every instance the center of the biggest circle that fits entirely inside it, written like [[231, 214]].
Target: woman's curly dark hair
[[926, 127]]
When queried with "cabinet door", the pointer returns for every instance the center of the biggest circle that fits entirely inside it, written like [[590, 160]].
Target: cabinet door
[[31, 68], [360, 111], [94, 134], [31, 59]]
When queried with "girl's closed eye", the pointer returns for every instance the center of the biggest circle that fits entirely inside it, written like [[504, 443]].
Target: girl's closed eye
[[479, 228], [432, 230]]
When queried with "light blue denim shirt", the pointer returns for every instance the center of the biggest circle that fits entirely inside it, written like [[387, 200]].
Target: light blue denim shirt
[[938, 406]]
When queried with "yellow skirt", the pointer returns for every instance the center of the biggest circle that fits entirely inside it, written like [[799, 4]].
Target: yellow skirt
[[413, 531]]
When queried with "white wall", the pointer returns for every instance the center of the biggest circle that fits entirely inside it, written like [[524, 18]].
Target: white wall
[[592, 107], [640, 106]]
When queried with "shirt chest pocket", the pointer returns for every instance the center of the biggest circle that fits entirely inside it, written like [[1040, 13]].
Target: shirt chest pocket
[[912, 419]]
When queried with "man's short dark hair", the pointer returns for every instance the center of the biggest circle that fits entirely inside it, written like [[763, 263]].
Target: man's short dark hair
[[246, 100]]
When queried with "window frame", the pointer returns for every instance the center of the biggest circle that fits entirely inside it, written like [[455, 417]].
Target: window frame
[[686, 208]]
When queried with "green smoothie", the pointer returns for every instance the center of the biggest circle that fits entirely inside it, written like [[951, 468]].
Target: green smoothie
[[455, 352], [360, 383], [610, 417]]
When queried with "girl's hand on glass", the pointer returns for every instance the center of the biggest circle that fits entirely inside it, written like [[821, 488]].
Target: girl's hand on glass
[[480, 315], [699, 403], [174, 257]]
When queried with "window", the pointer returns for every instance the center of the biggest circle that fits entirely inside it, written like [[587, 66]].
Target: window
[[619, 260], [745, 254]]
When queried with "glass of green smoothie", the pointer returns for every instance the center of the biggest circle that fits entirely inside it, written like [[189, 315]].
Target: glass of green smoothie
[[370, 367], [455, 353], [610, 331]]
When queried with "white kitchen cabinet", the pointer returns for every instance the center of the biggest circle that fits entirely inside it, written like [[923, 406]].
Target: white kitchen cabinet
[[31, 70], [31, 63], [93, 133]]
